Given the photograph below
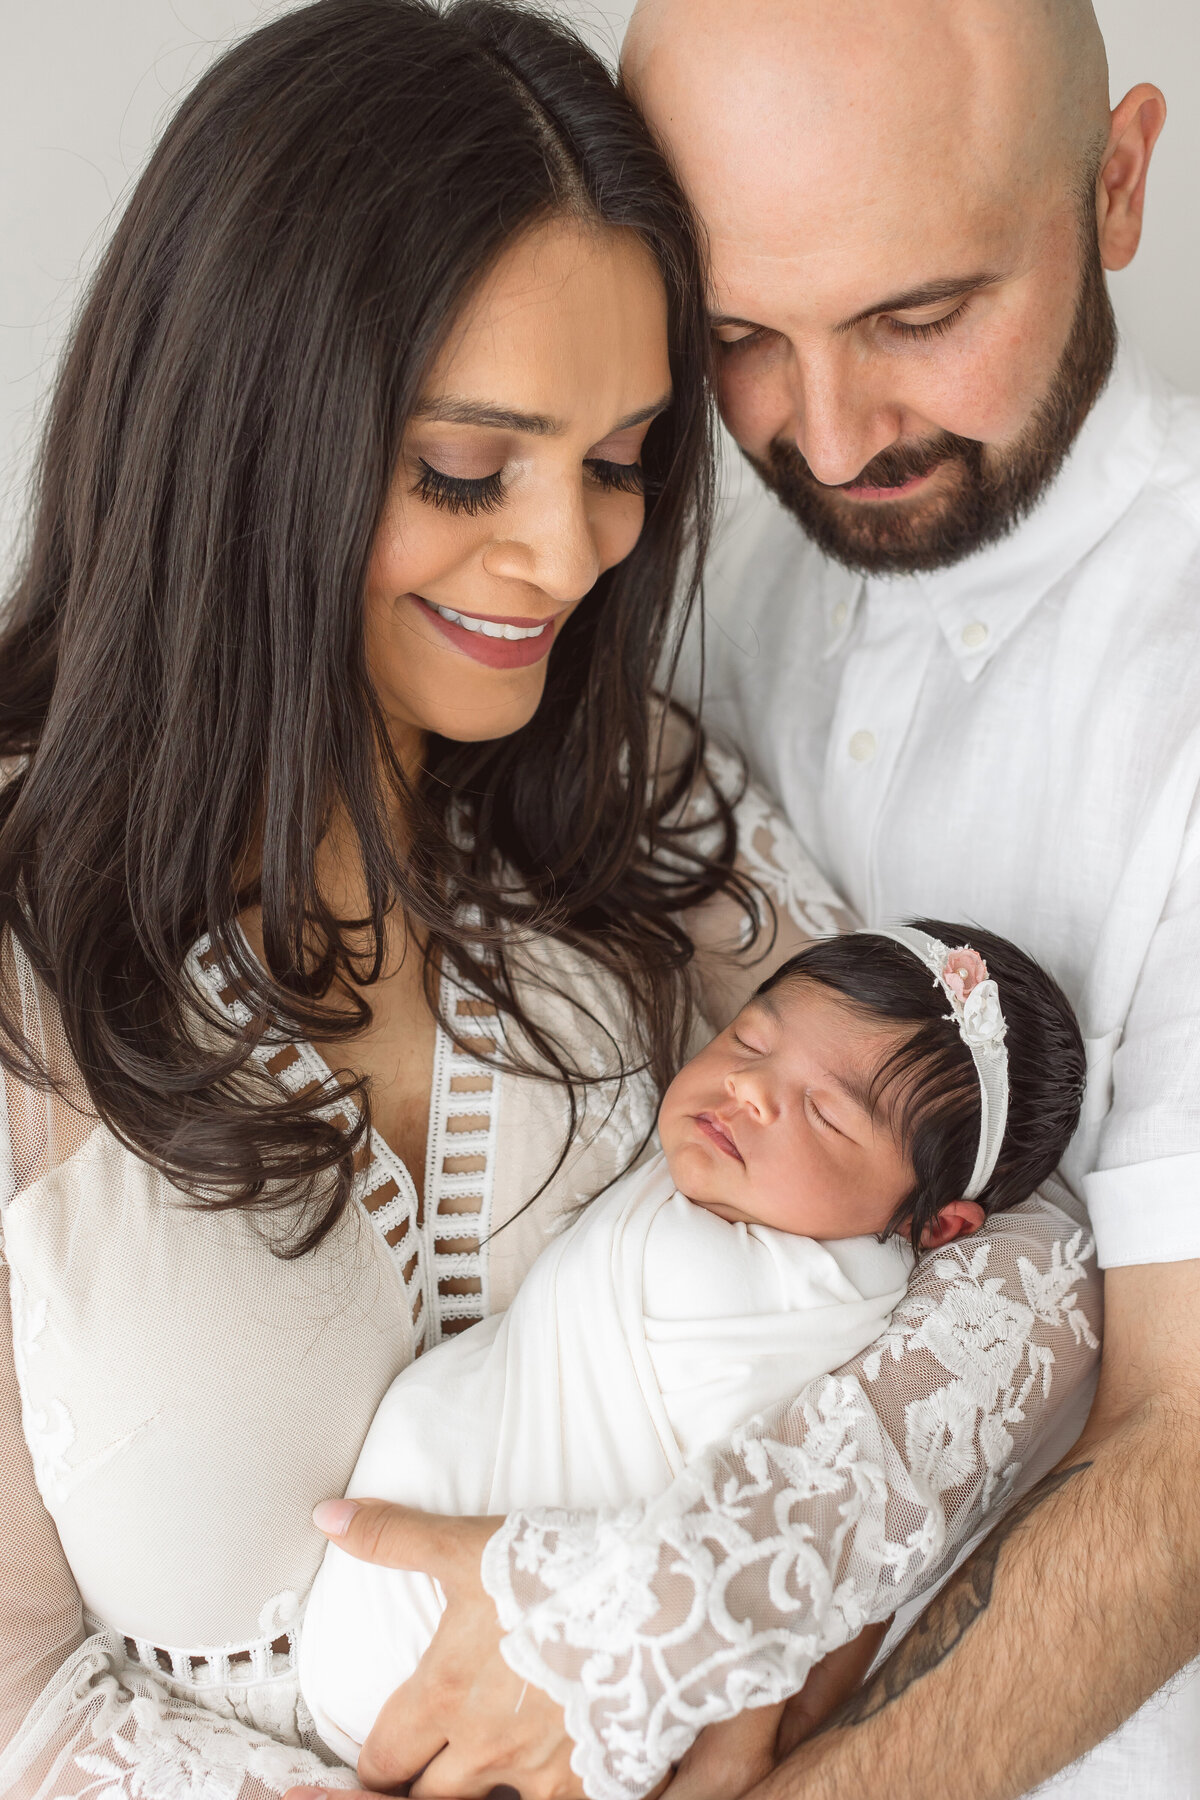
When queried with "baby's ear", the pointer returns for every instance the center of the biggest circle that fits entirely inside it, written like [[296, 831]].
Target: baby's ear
[[957, 1220]]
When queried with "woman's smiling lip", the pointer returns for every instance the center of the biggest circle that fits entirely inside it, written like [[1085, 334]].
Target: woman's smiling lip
[[493, 650], [720, 1135]]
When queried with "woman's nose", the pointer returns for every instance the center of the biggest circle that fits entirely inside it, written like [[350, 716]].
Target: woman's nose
[[551, 547]]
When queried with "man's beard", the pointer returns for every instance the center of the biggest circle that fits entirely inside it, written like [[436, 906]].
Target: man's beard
[[984, 491]]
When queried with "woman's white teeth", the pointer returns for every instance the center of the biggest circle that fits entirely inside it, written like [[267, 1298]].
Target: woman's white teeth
[[486, 626]]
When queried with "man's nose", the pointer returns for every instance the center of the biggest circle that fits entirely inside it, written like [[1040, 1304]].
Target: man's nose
[[839, 419], [550, 546]]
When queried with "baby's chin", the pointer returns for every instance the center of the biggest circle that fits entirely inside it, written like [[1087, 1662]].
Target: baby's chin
[[733, 1215]]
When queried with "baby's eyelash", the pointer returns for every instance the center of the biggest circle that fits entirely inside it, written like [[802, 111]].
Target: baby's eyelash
[[623, 478], [454, 493], [926, 333], [828, 1124]]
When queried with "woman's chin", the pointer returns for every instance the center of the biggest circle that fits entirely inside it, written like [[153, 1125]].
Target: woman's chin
[[490, 719]]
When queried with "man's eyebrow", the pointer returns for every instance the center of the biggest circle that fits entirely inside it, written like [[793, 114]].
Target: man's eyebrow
[[455, 411], [930, 293]]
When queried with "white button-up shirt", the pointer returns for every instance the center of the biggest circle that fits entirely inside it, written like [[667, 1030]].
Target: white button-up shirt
[[1015, 742]]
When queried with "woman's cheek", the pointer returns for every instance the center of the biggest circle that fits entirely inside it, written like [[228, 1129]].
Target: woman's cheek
[[417, 544], [618, 528]]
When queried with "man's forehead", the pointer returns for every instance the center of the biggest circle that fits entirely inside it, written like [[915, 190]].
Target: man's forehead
[[818, 125], [840, 267]]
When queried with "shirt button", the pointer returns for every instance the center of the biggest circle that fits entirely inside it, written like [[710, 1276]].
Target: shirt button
[[841, 613], [975, 636], [862, 746]]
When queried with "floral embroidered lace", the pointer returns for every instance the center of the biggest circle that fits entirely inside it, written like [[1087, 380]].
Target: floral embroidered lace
[[828, 1515]]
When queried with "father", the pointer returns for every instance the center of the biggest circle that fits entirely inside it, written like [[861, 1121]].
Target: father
[[965, 652]]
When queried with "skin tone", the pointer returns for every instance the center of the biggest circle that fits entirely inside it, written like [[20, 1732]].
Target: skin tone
[[775, 1123], [518, 484], [889, 191], [891, 197]]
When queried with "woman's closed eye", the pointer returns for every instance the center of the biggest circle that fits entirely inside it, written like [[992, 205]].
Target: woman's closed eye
[[457, 493], [616, 477], [474, 495]]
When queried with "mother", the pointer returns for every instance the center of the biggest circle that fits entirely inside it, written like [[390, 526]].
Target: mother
[[352, 886], [343, 885]]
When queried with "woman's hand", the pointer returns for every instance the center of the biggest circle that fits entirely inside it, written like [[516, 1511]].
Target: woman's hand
[[727, 1760], [463, 1724]]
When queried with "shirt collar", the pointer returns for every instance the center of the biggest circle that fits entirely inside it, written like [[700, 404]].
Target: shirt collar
[[980, 602]]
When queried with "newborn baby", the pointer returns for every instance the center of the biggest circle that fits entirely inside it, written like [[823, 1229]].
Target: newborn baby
[[881, 1092]]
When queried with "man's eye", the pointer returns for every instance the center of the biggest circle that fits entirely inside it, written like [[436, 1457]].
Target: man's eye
[[934, 328], [732, 346]]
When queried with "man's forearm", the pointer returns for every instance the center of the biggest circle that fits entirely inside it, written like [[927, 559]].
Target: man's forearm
[[1084, 1600]]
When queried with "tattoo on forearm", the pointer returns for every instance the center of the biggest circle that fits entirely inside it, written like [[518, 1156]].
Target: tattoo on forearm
[[948, 1617]]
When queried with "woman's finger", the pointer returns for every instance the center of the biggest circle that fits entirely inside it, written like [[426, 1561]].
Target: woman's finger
[[319, 1793], [470, 1778], [829, 1684], [409, 1733], [727, 1760], [401, 1537]]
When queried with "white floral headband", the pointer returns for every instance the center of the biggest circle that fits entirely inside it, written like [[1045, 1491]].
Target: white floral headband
[[974, 997]]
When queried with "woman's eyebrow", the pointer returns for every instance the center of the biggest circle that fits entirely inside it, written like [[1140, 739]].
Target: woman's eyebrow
[[452, 410]]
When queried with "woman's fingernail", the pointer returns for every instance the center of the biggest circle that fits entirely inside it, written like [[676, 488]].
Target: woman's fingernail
[[333, 1516]]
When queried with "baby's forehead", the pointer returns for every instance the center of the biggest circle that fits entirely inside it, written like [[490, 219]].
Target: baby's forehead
[[851, 1045], [798, 1002]]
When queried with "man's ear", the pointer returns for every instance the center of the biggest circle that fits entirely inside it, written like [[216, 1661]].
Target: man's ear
[[957, 1220], [1121, 194]]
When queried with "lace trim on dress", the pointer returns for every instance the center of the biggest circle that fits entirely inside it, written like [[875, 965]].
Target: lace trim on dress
[[459, 1163]]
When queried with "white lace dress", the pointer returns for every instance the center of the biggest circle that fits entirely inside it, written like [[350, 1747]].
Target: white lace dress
[[178, 1398]]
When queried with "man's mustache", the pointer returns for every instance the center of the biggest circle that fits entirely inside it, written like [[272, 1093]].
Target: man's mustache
[[891, 468]]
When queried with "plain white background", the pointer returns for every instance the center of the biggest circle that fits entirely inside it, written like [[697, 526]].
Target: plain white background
[[86, 85]]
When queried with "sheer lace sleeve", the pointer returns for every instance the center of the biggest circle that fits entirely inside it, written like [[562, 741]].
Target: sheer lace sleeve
[[813, 1521], [75, 1717], [793, 902]]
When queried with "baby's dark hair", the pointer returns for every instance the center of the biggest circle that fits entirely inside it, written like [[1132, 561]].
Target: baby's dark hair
[[932, 1075]]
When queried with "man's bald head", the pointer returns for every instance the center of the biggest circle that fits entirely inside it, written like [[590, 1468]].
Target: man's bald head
[[907, 204], [1005, 95]]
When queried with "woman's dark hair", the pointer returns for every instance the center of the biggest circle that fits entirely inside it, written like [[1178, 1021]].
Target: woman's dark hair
[[930, 1082], [182, 668]]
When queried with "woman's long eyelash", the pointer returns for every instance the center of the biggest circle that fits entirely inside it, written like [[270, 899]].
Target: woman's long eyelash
[[454, 493], [934, 329], [623, 478]]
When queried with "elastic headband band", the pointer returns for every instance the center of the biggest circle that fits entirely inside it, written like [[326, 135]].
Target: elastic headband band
[[974, 997]]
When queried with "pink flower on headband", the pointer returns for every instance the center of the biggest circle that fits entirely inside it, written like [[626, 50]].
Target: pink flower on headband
[[963, 971]]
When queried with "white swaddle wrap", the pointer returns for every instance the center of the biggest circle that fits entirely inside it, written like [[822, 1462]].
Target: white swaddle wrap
[[647, 1330]]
